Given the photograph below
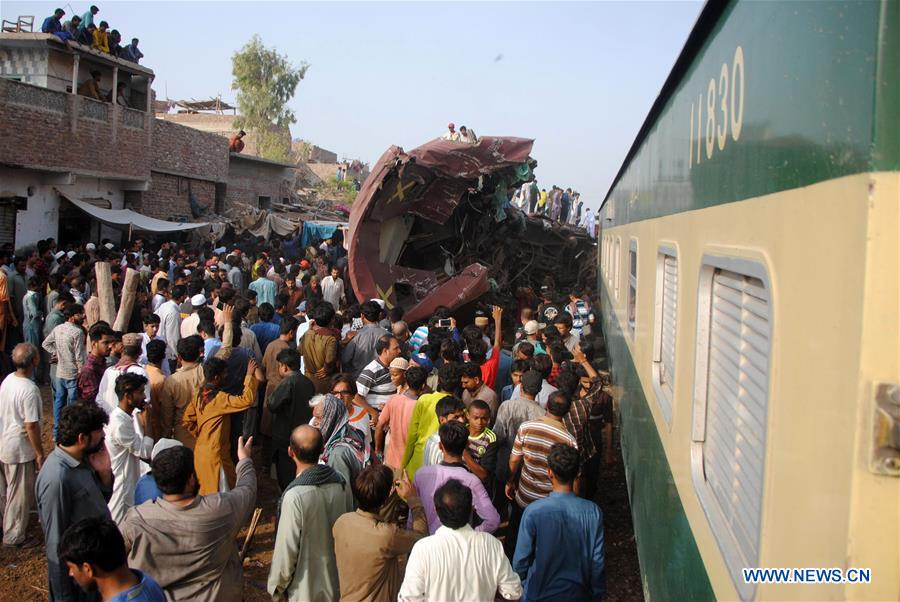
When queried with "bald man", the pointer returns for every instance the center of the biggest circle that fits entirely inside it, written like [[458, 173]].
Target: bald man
[[303, 564], [21, 452], [400, 330]]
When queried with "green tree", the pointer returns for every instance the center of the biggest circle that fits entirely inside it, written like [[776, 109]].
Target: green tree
[[266, 82]]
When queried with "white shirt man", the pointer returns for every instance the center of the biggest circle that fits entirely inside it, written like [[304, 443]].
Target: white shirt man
[[457, 562], [451, 133], [468, 136], [127, 445], [333, 289], [158, 300], [106, 391], [20, 405], [170, 326], [190, 323], [305, 324], [145, 338], [588, 222]]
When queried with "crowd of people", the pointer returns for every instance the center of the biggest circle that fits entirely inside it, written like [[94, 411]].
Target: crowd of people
[[558, 205], [562, 206], [99, 37], [400, 449]]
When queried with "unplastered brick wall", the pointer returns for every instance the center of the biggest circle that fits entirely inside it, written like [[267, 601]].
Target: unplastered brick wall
[[221, 125], [168, 196], [247, 190], [36, 127], [249, 180], [189, 152]]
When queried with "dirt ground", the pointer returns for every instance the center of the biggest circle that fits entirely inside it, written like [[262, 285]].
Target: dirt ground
[[23, 573]]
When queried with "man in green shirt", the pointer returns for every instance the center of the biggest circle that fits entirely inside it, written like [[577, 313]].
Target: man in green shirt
[[424, 420]]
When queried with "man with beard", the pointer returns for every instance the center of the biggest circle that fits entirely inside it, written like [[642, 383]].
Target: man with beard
[[186, 541], [75, 483], [126, 442], [101, 337]]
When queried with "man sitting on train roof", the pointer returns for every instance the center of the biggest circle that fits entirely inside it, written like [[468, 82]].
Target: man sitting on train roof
[[451, 133]]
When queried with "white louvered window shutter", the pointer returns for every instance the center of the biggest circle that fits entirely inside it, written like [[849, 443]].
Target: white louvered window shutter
[[618, 253], [610, 264], [632, 287], [737, 406], [667, 326], [664, 339]]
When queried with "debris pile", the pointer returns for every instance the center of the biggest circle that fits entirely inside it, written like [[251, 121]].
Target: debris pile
[[435, 227]]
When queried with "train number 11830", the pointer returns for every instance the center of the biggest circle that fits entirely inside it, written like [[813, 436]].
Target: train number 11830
[[721, 113]]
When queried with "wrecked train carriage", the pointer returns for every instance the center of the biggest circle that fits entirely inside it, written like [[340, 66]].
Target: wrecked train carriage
[[434, 227]]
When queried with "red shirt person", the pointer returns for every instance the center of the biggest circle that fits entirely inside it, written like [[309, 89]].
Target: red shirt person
[[236, 142]]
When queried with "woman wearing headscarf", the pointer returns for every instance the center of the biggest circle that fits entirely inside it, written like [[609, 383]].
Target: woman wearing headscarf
[[345, 446]]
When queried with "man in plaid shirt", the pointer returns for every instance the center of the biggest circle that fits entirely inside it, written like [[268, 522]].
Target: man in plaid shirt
[[65, 344]]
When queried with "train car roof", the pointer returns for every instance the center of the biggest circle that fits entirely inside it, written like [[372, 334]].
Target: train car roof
[[706, 20]]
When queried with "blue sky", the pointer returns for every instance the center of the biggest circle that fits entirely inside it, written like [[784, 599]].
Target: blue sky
[[577, 77]]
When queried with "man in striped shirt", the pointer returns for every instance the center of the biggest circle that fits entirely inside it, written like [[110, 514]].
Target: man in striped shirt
[[580, 310], [528, 477], [373, 385]]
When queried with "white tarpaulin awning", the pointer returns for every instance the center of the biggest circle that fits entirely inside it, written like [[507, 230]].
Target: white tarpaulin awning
[[135, 220]]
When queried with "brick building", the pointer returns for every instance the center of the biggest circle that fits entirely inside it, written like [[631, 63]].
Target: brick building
[[310, 153], [58, 145], [258, 182], [184, 161], [222, 125], [56, 142]]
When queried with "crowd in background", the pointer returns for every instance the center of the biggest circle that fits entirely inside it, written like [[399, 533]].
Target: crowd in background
[[399, 449], [562, 206], [558, 205]]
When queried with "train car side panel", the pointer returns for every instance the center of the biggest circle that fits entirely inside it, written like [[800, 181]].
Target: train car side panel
[[810, 244], [671, 565]]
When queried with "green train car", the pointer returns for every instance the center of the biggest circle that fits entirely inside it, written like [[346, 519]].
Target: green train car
[[749, 268]]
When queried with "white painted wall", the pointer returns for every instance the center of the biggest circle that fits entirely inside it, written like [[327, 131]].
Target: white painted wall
[[41, 218]]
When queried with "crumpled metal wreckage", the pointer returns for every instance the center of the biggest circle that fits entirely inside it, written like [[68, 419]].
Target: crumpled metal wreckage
[[434, 226]]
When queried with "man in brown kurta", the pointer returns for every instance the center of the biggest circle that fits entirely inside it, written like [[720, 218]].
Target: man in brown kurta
[[187, 542], [208, 418], [319, 349], [156, 357], [369, 551], [180, 390]]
